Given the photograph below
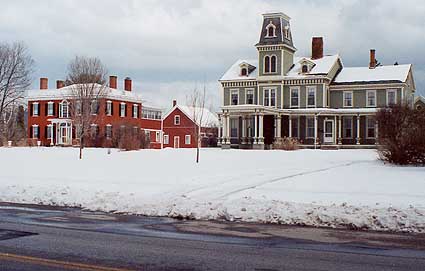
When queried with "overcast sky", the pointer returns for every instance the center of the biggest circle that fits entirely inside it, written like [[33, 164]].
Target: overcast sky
[[170, 47]]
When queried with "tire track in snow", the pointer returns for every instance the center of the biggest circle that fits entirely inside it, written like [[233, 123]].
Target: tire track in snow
[[289, 177]]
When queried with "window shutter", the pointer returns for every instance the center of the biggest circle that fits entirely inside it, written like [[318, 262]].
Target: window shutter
[[112, 108], [45, 109], [31, 109], [125, 110], [45, 132], [54, 109], [30, 132], [58, 111], [38, 132], [106, 108], [39, 113]]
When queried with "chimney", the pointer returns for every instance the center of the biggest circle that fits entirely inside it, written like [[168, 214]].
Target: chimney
[[372, 63], [60, 84], [174, 103], [317, 48], [113, 81], [127, 84], [44, 83]]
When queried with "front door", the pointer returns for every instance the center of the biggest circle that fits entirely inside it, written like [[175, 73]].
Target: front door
[[64, 135], [176, 142], [328, 132]]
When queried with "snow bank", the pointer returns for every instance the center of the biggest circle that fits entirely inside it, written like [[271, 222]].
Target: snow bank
[[345, 188]]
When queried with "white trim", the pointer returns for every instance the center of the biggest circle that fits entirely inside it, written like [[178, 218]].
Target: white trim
[[61, 104], [333, 130], [343, 98], [367, 127], [109, 108], [307, 88], [270, 64], [246, 95], [344, 118], [38, 109], [135, 110], [290, 97], [270, 96], [393, 90], [166, 139], [267, 30], [367, 97], [306, 127], [122, 106], [234, 90], [175, 118], [178, 142], [49, 128], [186, 141], [38, 131], [53, 108]]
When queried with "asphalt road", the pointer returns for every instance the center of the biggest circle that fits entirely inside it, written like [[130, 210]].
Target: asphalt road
[[39, 238]]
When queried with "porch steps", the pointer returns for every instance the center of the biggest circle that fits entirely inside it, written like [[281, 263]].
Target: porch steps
[[329, 147]]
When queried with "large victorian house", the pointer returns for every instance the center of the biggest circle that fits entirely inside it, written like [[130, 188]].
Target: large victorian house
[[314, 99]]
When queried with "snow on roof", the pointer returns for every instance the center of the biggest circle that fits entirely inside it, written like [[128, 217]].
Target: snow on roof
[[234, 73], [321, 66], [66, 92], [381, 73], [209, 119]]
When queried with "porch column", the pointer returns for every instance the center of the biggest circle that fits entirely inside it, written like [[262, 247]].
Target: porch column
[[51, 135], [339, 130], [228, 128], [315, 131], [358, 130], [376, 133], [220, 126], [279, 127], [290, 126], [244, 129], [255, 129], [260, 128]]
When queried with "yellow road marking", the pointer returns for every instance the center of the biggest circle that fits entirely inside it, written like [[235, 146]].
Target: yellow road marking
[[56, 263]]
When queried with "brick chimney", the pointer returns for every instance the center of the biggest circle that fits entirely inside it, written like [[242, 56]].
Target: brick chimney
[[60, 84], [113, 81], [44, 83], [317, 48], [372, 62], [127, 84], [174, 103]]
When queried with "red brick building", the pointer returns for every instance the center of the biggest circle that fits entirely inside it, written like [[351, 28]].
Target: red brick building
[[49, 121], [181, 123]]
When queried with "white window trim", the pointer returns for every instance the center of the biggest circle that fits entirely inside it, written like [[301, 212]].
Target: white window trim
[[135, 111], [166, 139], [306, 127], [270, 96], [49, 128], [367, 128], [290, 97], [61, 109], [122, 107], [343, 98], [246, 95], [175, 117], [306, 95], [298, 126], [395, 96], [270, 64], [38, 130], [186, 141], [352, 127], [109, 108], [367, 98], [234, 90], [106, 131], [267, 30], [53, 108], [34, 105]]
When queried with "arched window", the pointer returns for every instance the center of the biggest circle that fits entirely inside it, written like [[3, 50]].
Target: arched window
[[304, 69], [244, 72], [63, 110], [271, 30], [266, 64], [273, 64]]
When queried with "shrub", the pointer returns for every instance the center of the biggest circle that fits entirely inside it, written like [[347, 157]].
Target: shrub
[[287, 144], [401, 135], [128, 137]]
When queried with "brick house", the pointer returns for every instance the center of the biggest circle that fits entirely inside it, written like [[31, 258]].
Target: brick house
[[50, 123], [314, 99], [181, 123]]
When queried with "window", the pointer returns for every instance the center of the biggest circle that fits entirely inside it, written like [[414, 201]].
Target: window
[[270, 97], [371, 98], [304, 69], [50, 106], [94, 107], [166, 139], [135, 111], [295, 97], [370, 127], [310, 128], [108, 131], [148, 135], [35, 109], [250, 96], [187, 139], [35, 131], [234, 96], [78, 107], [109, 108], [177, 120], [234, 125], [94, 130], [311, 96], [151, 114], [295, 127], [348, 127], [49, 131], [266, 64], [391, 97], [158, 136], [271, 30], [122, 110], [348, 98], [273, 64], [244, 72], [63, 110]]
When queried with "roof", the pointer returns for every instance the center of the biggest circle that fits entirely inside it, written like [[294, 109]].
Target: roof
[[67, 92], [322, 66], [234, 73], [353, 75], [281, 22], [209, 119], [420, 98]]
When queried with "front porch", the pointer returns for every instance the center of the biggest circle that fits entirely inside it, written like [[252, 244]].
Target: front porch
[[261, 128], [60, 132]]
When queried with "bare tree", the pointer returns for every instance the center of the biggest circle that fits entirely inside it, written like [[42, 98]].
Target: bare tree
[[87, 78], [16, 67]]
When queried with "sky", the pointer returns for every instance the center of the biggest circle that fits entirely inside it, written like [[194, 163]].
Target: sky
[[170, 48]]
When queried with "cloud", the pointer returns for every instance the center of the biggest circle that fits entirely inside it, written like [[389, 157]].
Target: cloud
[[168, 47]]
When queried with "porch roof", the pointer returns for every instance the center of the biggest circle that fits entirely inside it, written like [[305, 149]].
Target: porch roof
[[247, 109]]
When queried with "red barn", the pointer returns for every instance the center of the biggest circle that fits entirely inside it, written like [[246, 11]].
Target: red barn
[[49, 121], [181, 124]]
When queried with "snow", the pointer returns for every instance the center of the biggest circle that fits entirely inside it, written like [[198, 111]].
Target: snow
[[209, 119], [234, 73], [380, 73], [321, 66], [344, 188]]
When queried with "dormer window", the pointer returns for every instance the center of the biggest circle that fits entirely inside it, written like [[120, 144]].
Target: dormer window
[[304, 69], [271, 30], [286, 32], [244, 72]]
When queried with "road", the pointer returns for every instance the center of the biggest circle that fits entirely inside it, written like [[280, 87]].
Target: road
[[45, 238]]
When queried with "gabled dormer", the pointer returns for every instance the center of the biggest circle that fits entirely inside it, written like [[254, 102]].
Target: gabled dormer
[[245, 69], [306, 66]]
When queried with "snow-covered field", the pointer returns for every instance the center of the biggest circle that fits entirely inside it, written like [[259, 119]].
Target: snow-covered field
[[345, 188]]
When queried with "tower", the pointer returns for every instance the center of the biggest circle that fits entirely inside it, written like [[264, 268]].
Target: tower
[[275, 48]]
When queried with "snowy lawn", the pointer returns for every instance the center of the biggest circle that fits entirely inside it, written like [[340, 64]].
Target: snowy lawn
[[345, 188]]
